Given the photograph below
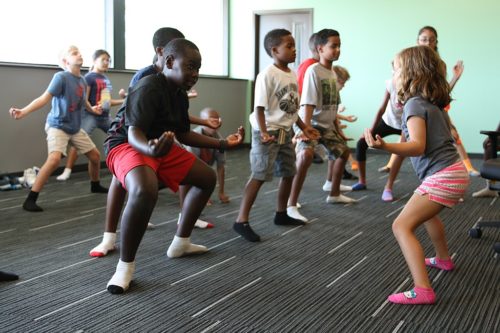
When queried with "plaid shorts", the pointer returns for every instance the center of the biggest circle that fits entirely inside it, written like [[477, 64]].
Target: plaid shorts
[[446, 186]]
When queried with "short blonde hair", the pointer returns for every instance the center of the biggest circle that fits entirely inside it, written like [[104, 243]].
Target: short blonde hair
[[63, 54], [341, 73]]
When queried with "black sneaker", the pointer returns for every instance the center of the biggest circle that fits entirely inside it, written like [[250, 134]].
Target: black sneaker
[[347, 175]]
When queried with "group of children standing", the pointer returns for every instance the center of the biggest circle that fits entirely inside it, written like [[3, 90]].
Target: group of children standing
[[291, 118], [418, 95]]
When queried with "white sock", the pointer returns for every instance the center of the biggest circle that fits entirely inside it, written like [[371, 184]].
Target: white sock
[[327, 186], [65, 174], [182, 246], [120, 281], [107, 244], [199, 223], [340, 199], [485, 192]]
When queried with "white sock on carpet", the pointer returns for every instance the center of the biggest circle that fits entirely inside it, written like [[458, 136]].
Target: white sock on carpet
[[65, 174], [182, 246], [107, 244], [340, 199], [122, 277]]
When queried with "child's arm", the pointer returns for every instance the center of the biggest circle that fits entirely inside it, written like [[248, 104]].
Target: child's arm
[[309, 109], [381, 111], [117, 101], [96, 109], [194, 139], [310, 132], [458, 69], [35, 105], [414, 147], [155, 148], [261, 120], [339, 130], [350, 119]]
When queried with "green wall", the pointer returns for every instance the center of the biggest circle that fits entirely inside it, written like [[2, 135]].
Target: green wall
[[372, 32]]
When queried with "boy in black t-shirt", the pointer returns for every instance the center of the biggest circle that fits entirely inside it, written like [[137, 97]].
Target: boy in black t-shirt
[[156, 110]]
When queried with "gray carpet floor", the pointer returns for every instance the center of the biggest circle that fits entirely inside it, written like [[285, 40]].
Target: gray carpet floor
[[332, 275]]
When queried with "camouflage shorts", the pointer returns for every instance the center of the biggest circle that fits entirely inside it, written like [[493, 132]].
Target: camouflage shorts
[[334, 144]]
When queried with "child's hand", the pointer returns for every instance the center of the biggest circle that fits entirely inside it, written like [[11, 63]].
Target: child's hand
[[161, 146], [372, 142], [266, 138], [122, 93], [97, 109], [309, 133], [192, 93], [214, 123], [458, 69], [16, 113], [236, 138], [351, 119]]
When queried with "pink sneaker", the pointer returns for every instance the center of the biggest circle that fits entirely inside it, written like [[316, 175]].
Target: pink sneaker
[[414, 296], [445, 265]]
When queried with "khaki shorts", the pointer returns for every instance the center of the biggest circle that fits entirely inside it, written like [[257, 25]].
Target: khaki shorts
[[58, 140]]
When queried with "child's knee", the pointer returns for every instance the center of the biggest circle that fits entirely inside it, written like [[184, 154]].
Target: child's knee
[[143, 193], [53, 160], [94, 156], [305, 156]]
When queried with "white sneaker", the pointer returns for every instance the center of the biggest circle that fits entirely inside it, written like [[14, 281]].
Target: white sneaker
[[485, 193], [340, 199], [299, 206], [293, 212], [29, 177], [327, 186]]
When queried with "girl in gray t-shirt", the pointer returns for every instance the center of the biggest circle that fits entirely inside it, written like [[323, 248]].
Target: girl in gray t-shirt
[[422, 87]]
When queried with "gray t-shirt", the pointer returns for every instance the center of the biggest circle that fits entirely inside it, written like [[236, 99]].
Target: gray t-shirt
[[440, 151], [320, 90]]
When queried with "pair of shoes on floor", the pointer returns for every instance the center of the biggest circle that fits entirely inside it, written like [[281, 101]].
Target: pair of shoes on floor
[[29, 176], [340, 199], [485, 193], [327, 187]]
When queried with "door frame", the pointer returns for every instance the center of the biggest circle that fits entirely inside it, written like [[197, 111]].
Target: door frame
[[257, 14]]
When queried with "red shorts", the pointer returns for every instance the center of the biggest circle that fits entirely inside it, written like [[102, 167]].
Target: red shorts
[[170, 169]]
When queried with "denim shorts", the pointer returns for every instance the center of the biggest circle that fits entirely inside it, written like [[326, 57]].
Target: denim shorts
[[90, 122], [334, 144], [272, 158]]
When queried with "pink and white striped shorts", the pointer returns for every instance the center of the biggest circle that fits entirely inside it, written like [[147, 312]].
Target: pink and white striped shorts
[[446, 186]]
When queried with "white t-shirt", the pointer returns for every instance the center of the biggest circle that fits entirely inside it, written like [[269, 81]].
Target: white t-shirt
[[277, 92], [394, 109], [321, 91]]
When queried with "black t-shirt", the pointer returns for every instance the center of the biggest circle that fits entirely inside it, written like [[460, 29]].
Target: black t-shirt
[[154, 106]]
